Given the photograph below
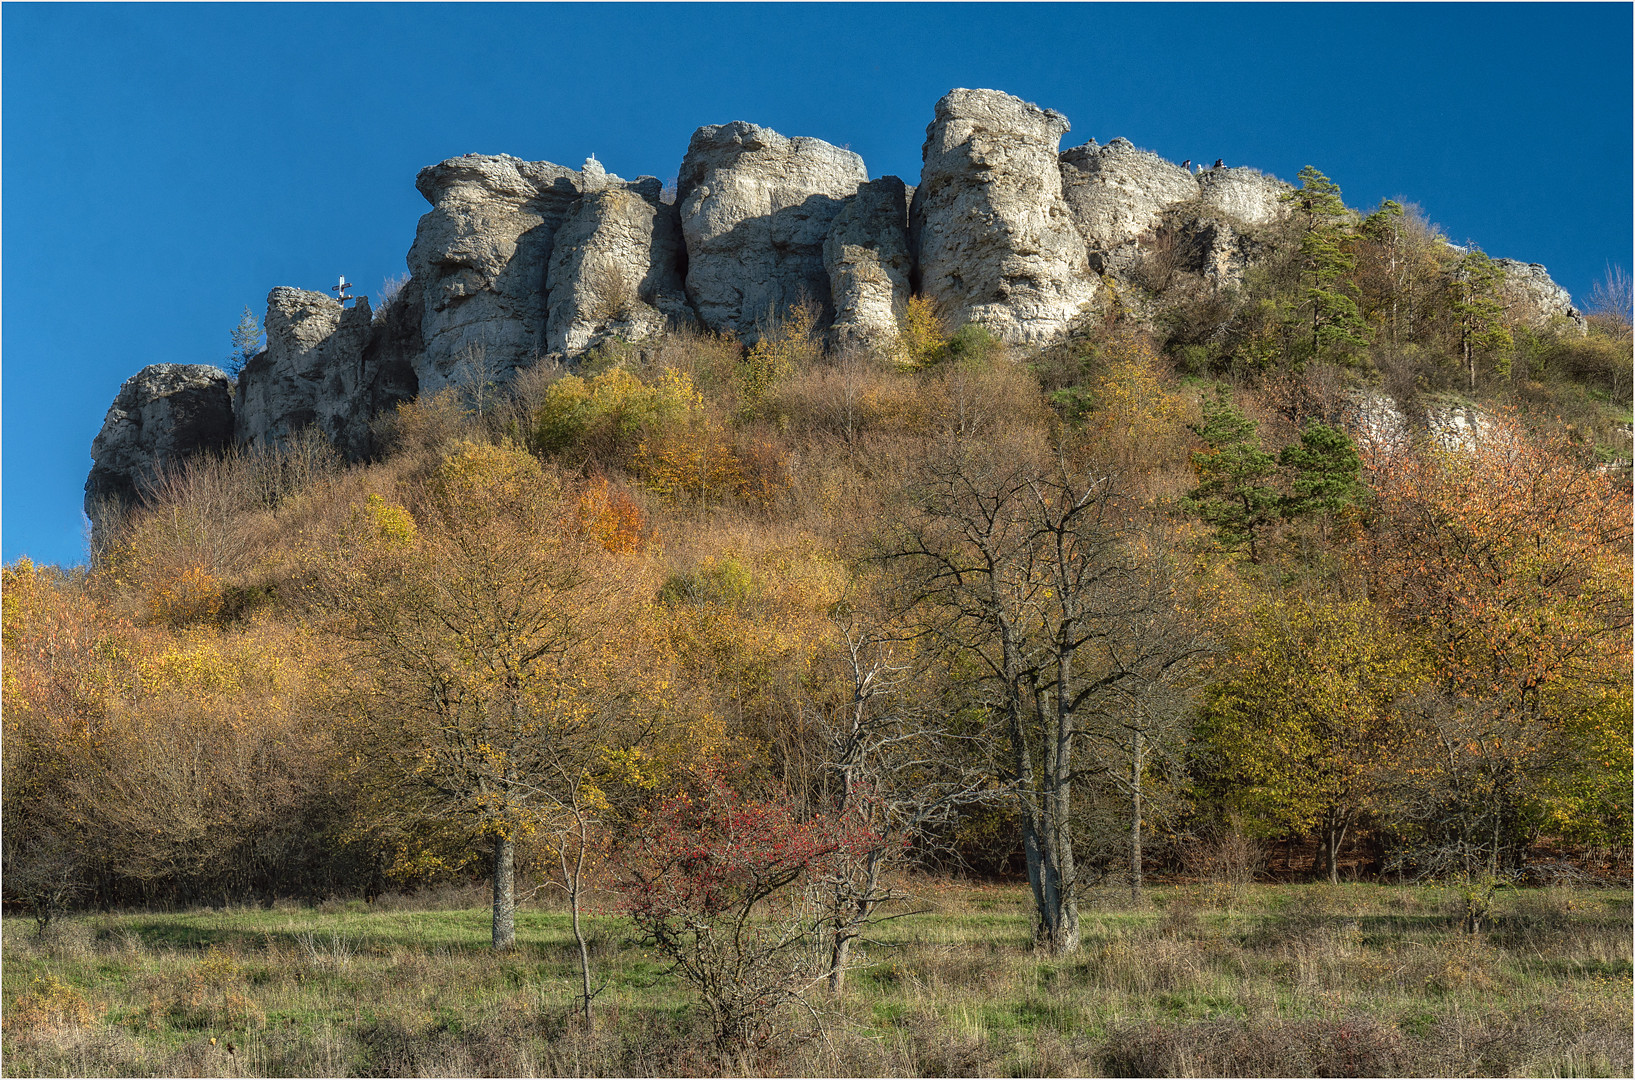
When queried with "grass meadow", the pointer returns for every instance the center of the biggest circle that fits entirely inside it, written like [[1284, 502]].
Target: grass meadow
[[1260, 980]]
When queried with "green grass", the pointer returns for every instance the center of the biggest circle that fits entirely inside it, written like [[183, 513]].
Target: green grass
[[1267, 980]]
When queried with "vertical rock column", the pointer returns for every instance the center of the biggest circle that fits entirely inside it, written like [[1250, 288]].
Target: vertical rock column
[[311, 372], [755, 210], [615, 268], [993, 238], [866, 254], [480, 255]]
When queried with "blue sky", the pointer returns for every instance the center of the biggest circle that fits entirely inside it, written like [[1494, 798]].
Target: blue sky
[[165, 165]]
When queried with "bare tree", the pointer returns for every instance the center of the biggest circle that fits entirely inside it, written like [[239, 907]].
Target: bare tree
[[898, 773], [1032, 574]]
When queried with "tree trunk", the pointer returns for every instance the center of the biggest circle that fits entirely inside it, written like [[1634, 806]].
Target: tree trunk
[[839, 956], [1135, 818], [505, 892]]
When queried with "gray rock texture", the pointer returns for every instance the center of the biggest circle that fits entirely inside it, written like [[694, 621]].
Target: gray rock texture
[[615, 269], [311, 373], [866, 255], [1117, 193], [755, 210], [163, 415], [1534, 298], [481, 255], [1247, 196], [993, 237]]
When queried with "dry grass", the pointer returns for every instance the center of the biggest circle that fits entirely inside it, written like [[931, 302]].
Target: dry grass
[[1290, 980]]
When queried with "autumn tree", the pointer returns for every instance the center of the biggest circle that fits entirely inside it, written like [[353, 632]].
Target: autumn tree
[[1509, 558], [709, 876], [1298, 725], [500, 642]]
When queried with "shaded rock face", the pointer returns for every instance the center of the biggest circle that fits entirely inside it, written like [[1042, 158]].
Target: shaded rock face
[[163, 415], [311, 373], [866, 256], [481, 256], [615, 269], [1534, 298], [756, 208], [993, 237]]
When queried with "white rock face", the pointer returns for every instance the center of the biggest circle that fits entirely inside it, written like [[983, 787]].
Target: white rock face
[[615, 269], [1247, 195], [163, 415], [1116, 193], [1534, 298], [481, 256], [866, 255], [755, 210], [323, 366], [994, 239]]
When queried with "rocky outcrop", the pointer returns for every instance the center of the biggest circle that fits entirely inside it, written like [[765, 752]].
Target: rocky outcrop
[[1118, 193], [1534, 299], [992, 236], [755, 210], [1246, 196], [480, 255], [163, 415], [1144, 218], [866, 256], [615, 268], [311, 373]]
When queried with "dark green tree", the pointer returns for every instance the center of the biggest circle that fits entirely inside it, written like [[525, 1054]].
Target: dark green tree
[[1477, 310], [1234, 493], [1327, 261], [1325, 472]]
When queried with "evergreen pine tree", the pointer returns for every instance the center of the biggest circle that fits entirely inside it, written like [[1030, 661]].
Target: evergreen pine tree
[[247, 337], [1234, 493], [1477, 310]]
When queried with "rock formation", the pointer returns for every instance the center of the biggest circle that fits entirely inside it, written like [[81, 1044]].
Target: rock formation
[[518, 260], [1247, 196], [991, 234], [1534, 298], [480, 256], [755, 210], [615, 269], [1133, 207], [163, 415], [866, 256], [1117, 193]]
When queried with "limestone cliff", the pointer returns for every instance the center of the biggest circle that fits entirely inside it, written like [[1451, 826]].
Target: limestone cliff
[[517, 260]]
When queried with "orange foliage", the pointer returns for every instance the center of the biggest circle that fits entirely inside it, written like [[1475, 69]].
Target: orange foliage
[[611, 518]]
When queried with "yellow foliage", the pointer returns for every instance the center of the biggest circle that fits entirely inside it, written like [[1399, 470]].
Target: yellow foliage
[[50, 1005], [483, 473], [607, 413], [922, 335], [190, 667], [787, 347], [389, 521]]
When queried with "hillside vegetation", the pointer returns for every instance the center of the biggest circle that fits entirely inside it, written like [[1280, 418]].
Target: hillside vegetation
[[735, 636]]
